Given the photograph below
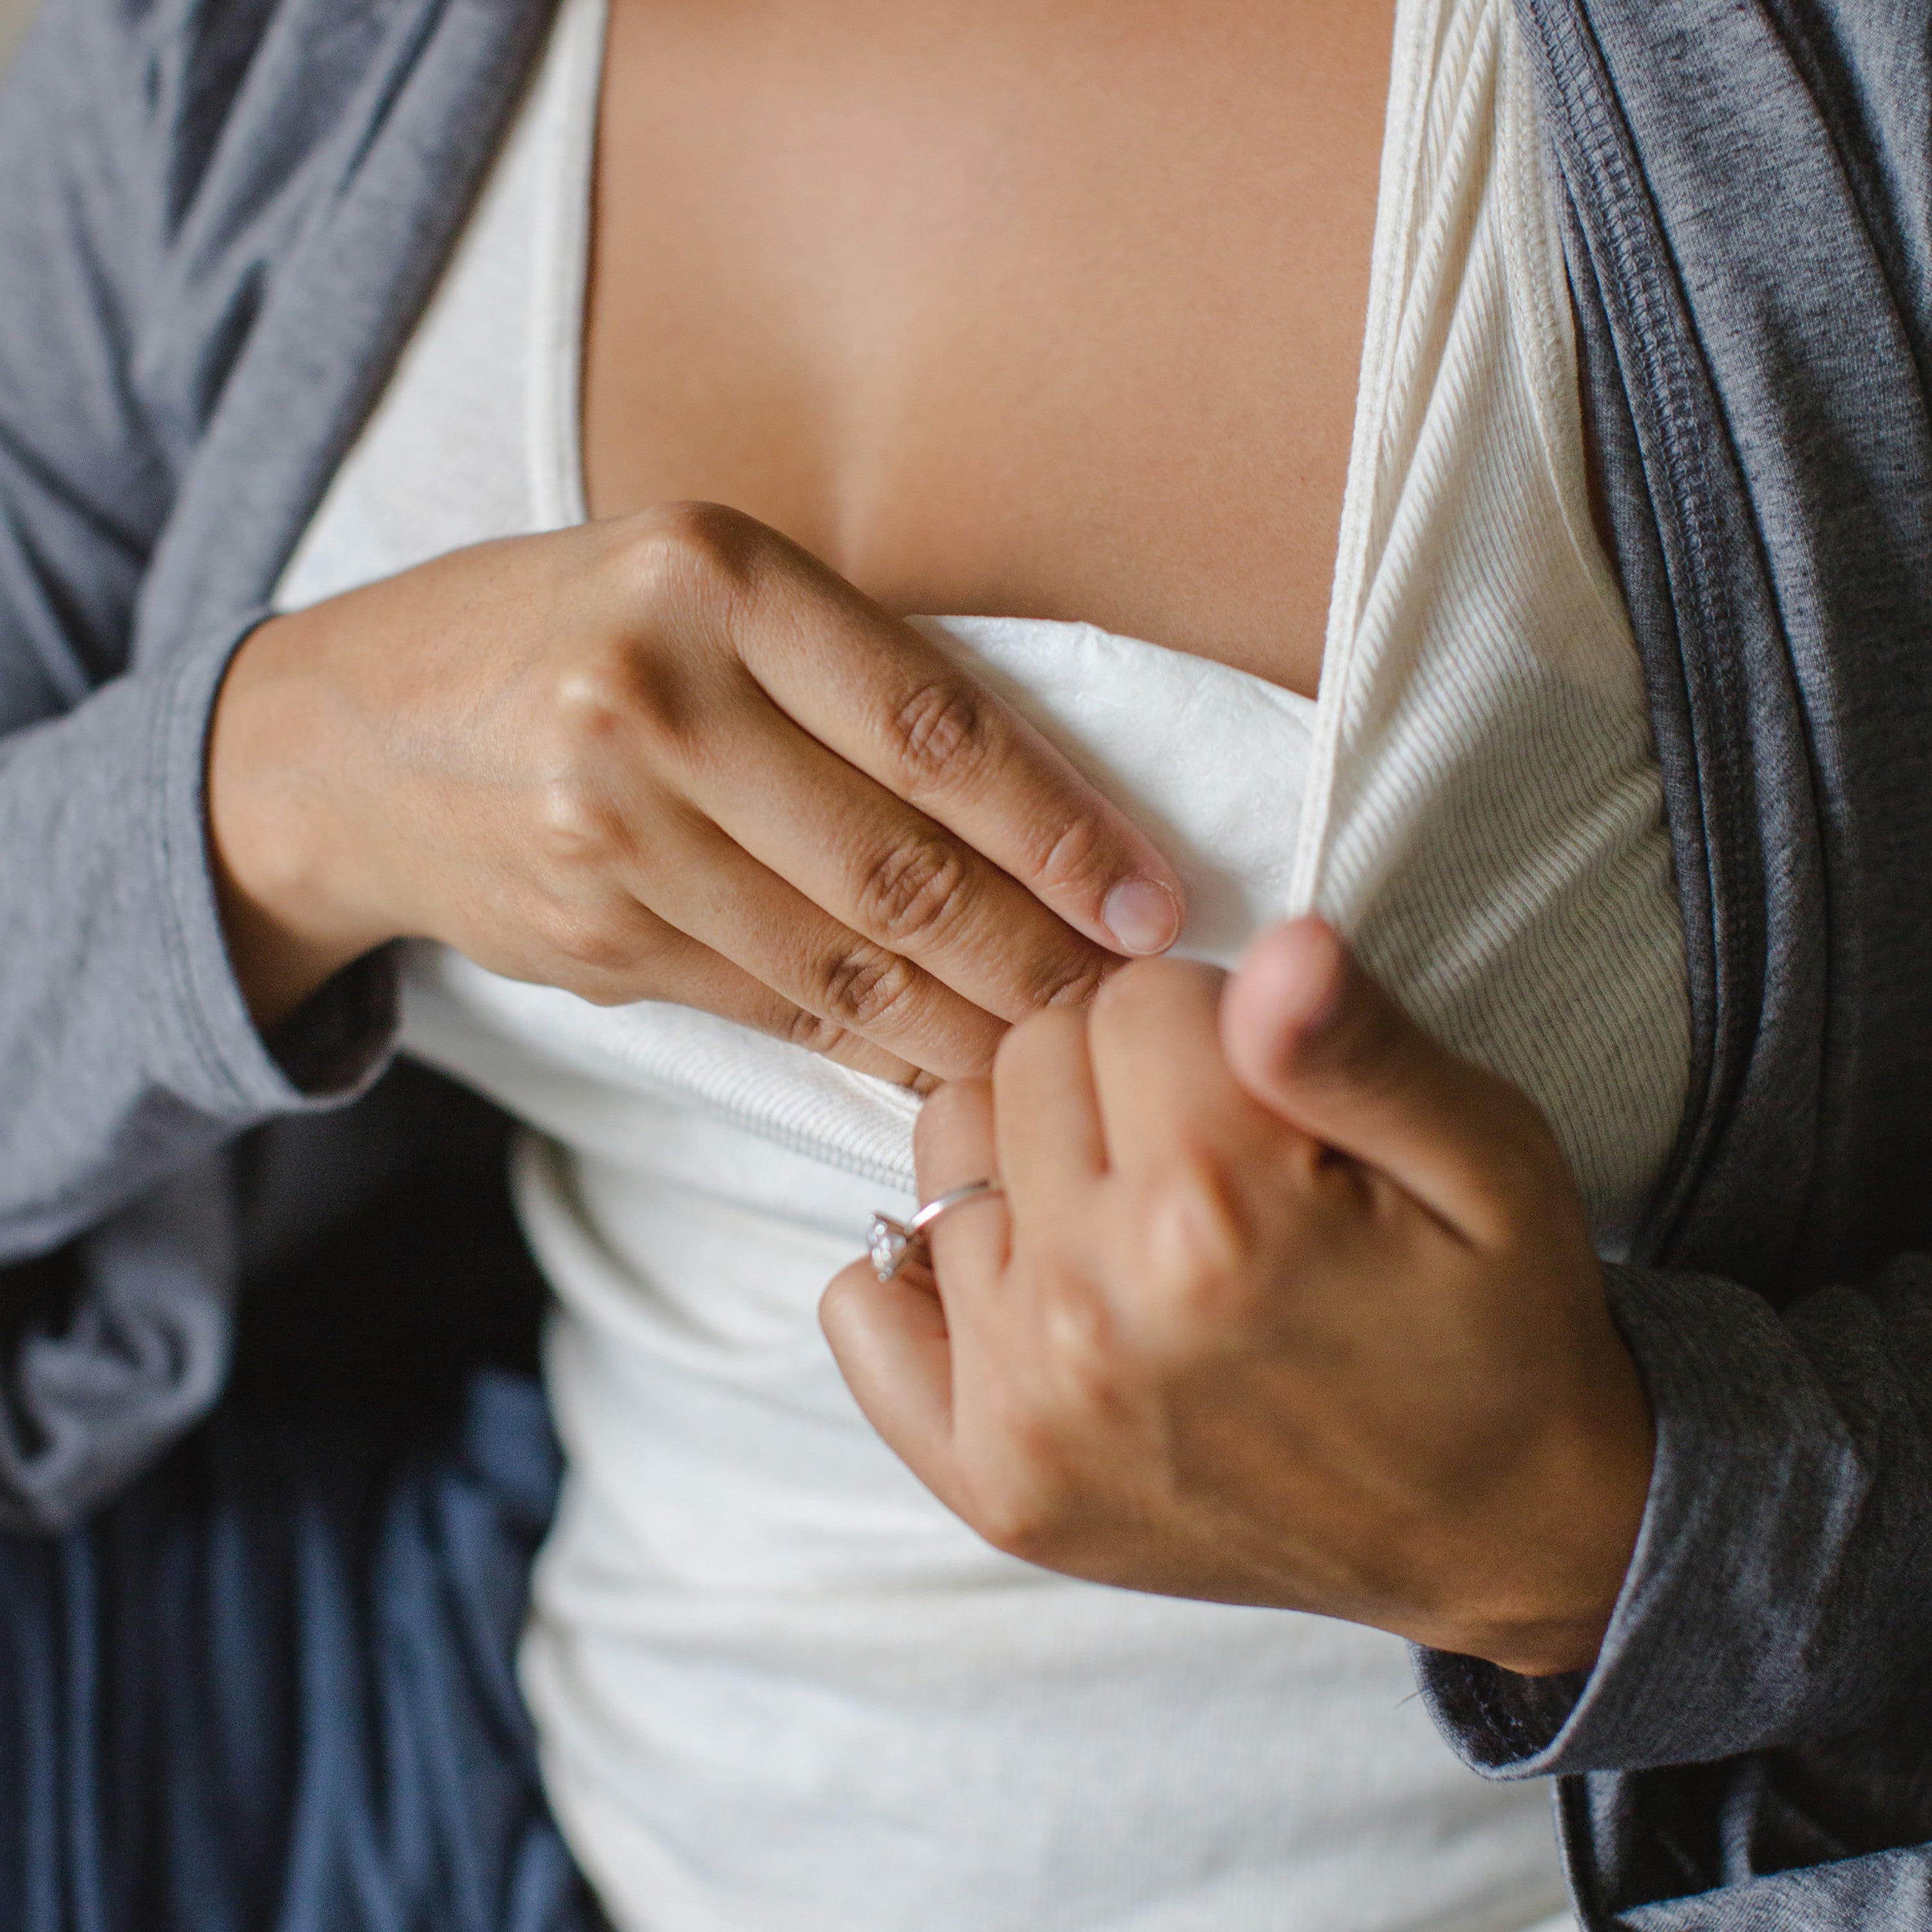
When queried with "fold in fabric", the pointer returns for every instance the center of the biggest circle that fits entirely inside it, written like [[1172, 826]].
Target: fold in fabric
[[271, 1688]]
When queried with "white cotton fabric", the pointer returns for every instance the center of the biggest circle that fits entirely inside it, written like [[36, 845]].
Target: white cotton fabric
[[778, 1688]]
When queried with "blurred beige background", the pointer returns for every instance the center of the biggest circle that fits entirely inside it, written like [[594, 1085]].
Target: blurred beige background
[[13, 17]]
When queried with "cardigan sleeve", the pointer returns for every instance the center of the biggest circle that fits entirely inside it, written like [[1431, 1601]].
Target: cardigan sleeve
[[1754, 1745], [127, 1057]]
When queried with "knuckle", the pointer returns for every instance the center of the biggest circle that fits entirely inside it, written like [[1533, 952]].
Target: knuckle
[[589, 942], [578, 821], [1197, 1240], [816, 1033], [1081, 1329], [864, 986], [622, 708], [693, 544], [943, 736], [593, 698], [1070, 982], [1077, 856], [1014, 1530], [602, 708], [575, 821], [690, 564], [1020, 1514], [912, 891]]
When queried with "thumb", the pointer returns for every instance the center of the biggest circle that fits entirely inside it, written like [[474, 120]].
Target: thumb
[[1313, 1036]]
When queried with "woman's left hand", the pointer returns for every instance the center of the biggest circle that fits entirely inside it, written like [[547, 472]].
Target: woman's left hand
[[1284, 1304]]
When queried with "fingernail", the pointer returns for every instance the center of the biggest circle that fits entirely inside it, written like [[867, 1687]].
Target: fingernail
[[1143, 915]]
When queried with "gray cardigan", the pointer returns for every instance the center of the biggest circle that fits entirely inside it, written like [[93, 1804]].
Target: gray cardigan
[[218, 219]]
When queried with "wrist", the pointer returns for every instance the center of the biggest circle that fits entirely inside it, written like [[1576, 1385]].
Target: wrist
[[1564, 1548], [274, 829]]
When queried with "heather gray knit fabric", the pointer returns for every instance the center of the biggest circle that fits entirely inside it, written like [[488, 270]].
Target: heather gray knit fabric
[[14, 16], [218, 219]]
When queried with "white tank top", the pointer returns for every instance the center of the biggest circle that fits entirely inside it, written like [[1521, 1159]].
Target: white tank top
[[778, 1687]]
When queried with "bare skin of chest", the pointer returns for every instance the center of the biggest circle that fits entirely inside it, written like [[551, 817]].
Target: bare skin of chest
[[1037, 307]]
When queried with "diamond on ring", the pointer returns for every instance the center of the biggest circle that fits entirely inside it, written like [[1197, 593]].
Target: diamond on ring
[[886, 1241]]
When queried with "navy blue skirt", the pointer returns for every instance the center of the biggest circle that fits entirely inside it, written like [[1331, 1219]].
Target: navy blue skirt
[[271, 1689]]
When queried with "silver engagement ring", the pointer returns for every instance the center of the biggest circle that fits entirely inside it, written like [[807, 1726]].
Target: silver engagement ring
[[891, 1243]]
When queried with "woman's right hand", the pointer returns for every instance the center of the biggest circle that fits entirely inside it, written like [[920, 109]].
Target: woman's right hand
[[671, 757]]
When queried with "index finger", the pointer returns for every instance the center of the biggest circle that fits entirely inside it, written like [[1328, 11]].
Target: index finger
[[893, 704]]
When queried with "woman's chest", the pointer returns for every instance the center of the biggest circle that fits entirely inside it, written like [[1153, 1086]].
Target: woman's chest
[[1038, 307], [1476, 801]]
